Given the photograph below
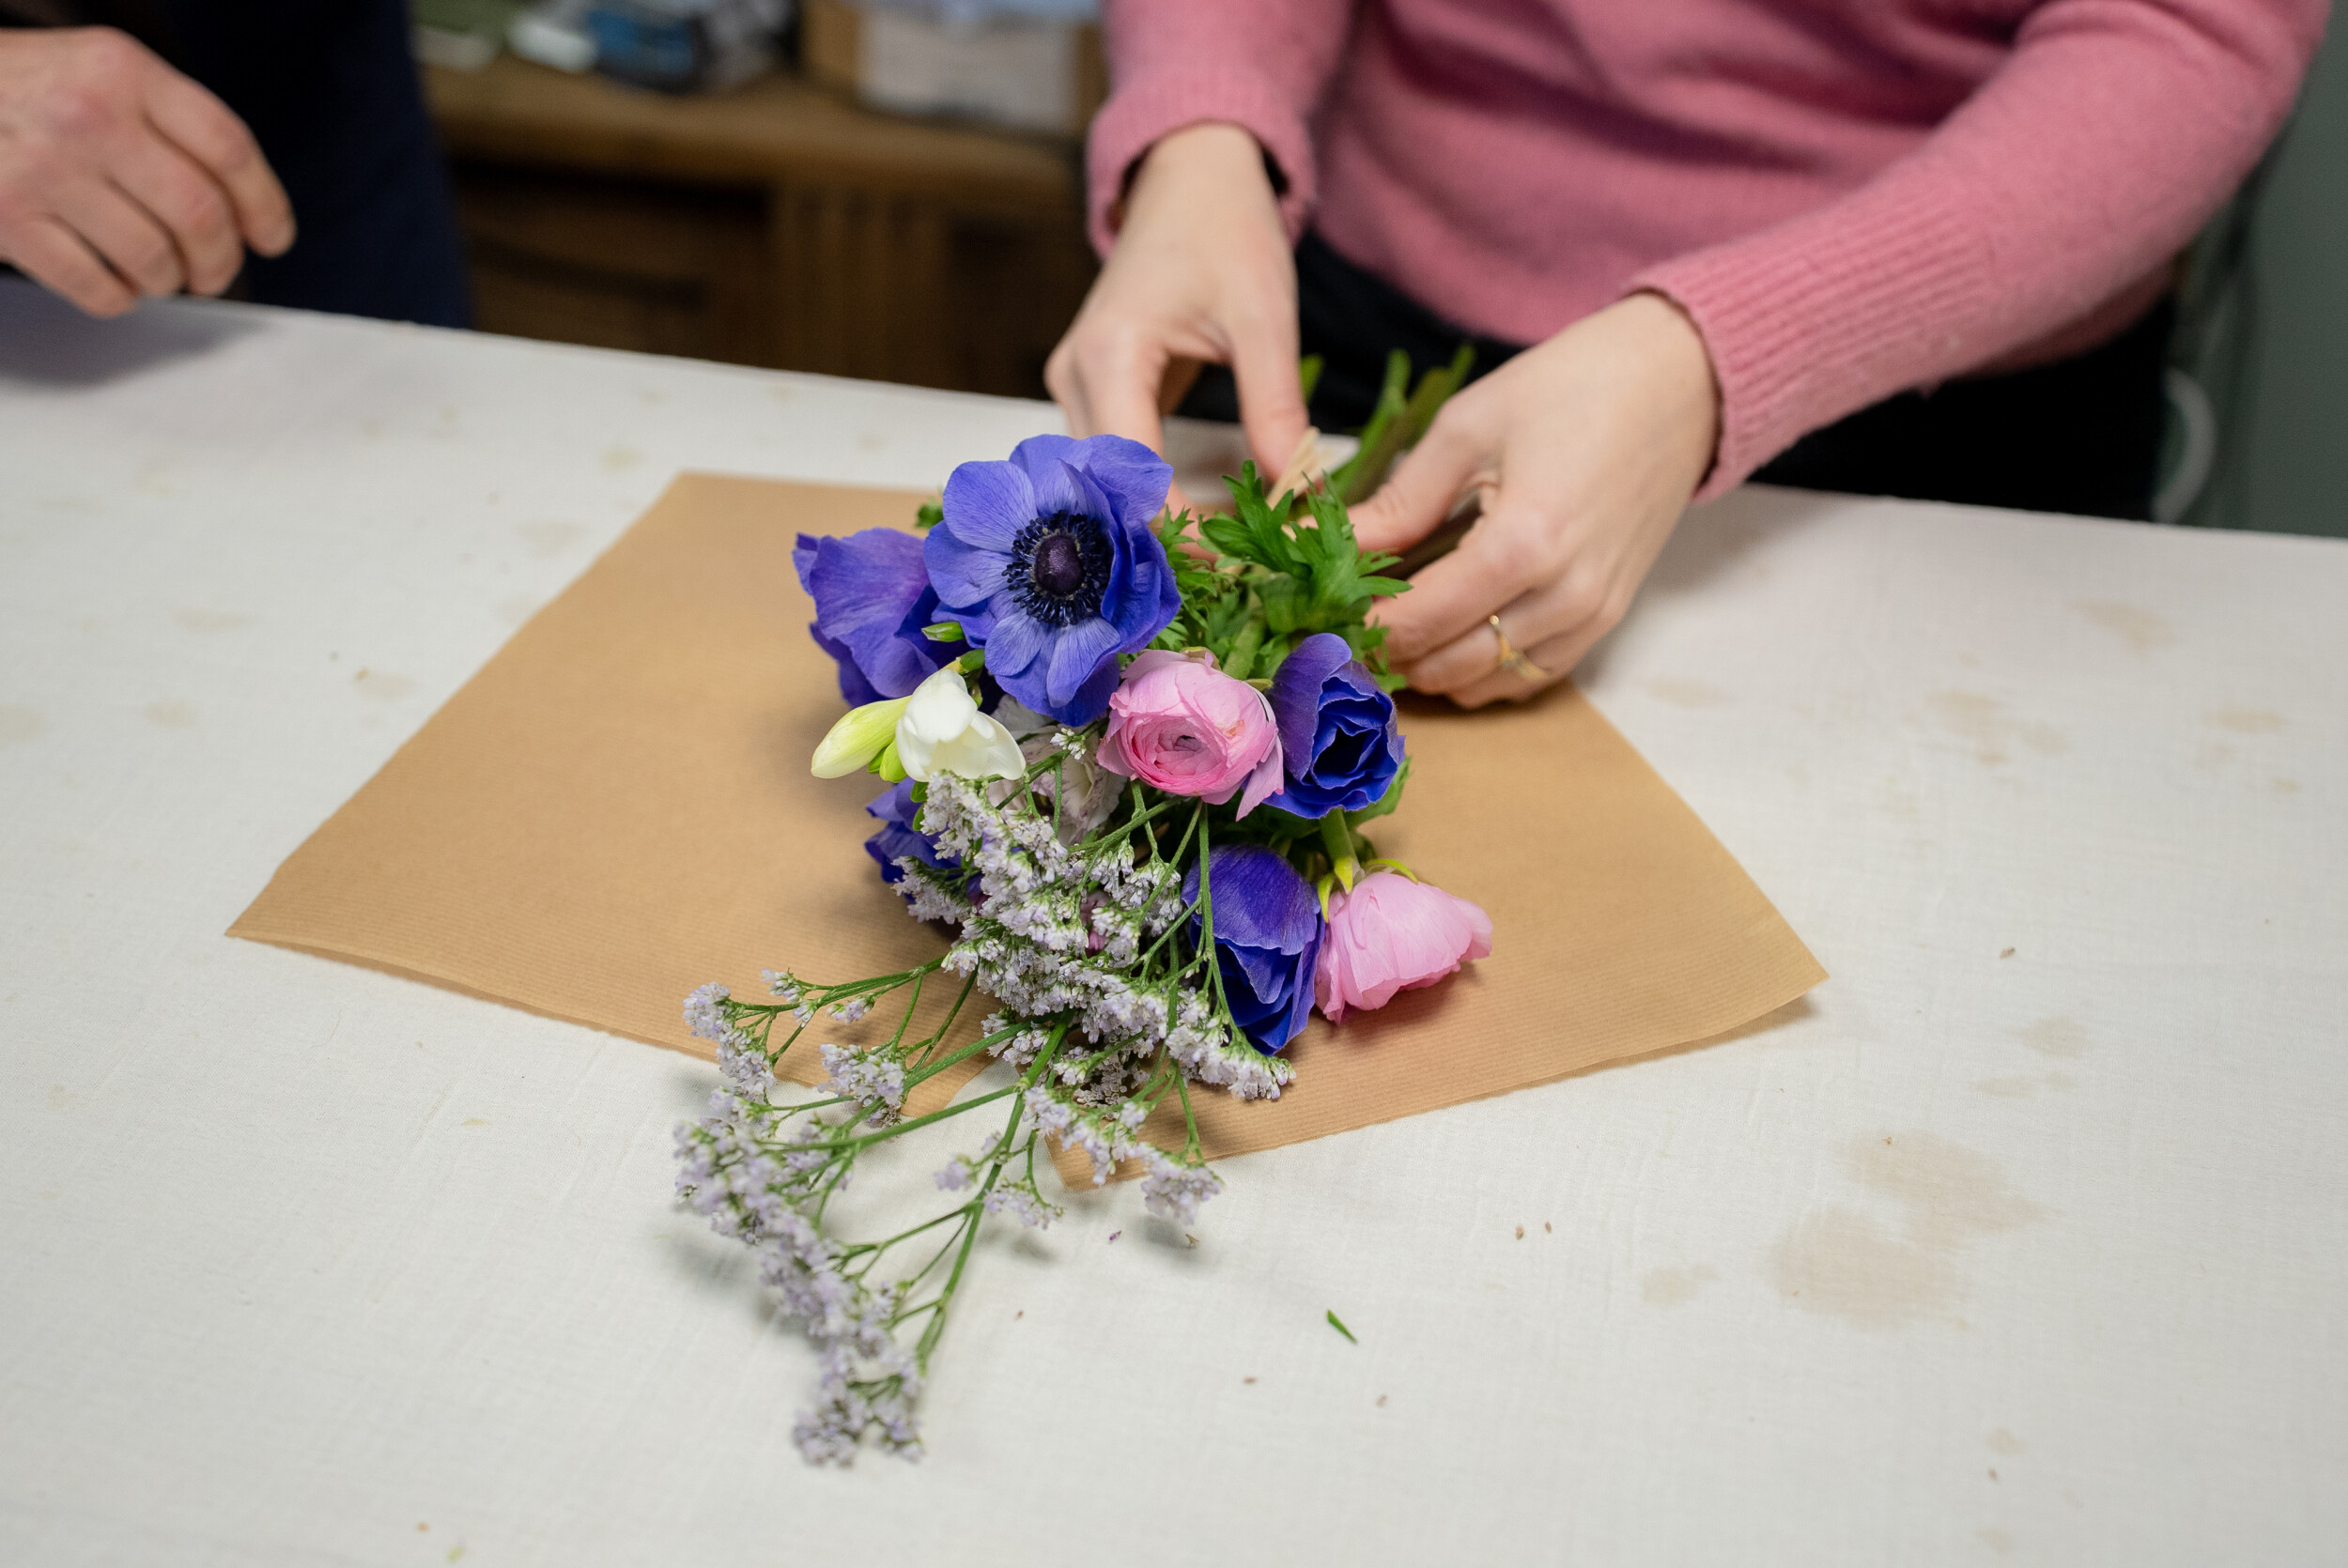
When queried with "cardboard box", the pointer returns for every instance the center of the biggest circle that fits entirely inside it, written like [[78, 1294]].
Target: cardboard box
[[1012, 71]]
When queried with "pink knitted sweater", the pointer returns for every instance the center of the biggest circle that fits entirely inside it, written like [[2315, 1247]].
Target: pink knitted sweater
[[1849, 197]]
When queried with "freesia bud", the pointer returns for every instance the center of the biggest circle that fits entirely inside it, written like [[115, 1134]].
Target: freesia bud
[[941, 730], [857, 737]]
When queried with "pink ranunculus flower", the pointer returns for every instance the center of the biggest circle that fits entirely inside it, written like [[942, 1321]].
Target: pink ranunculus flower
[[1179, 724], [1391, 934]]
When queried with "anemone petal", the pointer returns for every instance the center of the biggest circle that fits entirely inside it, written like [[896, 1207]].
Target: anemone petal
[[986, 504]]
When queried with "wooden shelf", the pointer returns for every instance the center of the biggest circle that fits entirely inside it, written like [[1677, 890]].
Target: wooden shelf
[[777, 225]]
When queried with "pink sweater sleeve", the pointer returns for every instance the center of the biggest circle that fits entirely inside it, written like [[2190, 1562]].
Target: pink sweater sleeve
[[2092, 154], [1258, 64]]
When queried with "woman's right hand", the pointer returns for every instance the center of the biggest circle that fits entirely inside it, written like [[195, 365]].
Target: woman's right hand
[[1202, 272]]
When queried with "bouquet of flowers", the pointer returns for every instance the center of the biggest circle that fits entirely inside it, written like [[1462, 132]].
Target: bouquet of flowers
[[1129, 758]]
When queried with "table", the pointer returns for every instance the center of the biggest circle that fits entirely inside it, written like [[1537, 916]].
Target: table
[[2021, 1240]]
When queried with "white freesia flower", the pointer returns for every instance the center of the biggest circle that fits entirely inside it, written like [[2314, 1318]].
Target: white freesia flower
[[857, 737], [942, 731]]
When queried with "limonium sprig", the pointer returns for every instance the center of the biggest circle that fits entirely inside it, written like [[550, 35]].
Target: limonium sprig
[[1129, 763]]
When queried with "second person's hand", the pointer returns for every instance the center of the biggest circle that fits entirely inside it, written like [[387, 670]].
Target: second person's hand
[[121, 178], [1201, 273]]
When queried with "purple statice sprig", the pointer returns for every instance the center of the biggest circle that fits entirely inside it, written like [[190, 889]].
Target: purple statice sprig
[[1115, 999]]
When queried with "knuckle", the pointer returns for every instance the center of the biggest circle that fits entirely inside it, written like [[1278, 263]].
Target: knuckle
[[81, 110], [1549, 555], [1529, 545], [193, 209], [107, 50], [1120, 341], [1581, 600]]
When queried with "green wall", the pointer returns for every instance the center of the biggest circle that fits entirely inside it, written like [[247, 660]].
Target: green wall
[[2268, 336]]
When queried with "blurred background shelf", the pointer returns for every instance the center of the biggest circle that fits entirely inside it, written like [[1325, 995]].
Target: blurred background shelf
[[776, 226]]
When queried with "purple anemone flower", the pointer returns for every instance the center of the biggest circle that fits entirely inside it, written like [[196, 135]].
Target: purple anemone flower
[[899, 839], [1048, 562], [1267, 939], [872, 597], [1338, 737]]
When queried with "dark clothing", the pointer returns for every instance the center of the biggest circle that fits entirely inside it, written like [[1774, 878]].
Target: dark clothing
[[2080, 435], [329, 90]]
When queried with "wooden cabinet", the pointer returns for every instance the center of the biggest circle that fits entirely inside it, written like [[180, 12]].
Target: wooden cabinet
[[775, 225]]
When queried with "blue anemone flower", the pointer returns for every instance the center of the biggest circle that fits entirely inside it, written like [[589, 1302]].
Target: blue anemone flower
[[1338, 739], [1048, 562], [872, 597], [899, 839], [1267, 939]]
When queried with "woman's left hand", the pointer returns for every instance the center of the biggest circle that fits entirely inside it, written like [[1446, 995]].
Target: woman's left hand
[[1586, 450]]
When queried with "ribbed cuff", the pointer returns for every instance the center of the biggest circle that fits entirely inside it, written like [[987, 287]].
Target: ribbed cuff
[[1821, 316], [1156, 102]]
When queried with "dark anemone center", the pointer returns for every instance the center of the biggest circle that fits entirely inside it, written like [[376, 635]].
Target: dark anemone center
[[1061, 568], [1060, 565]]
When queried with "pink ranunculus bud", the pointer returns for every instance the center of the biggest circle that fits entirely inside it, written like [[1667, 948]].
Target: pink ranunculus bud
[[1391, 934], [1179, 724]]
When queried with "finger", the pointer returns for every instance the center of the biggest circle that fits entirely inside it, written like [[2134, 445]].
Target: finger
[[1271, 398], [1066, 382], [1423, 488], [1553, 661], [1542, 614], [56, 257], [1120, 392], [125, 235], [1494, 564], [1060, 378], [191, 207], [203, 128]]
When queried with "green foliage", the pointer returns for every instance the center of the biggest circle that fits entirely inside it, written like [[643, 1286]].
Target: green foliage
[[1308, 377], [1397, 423], [1274, 576], [929, 515]]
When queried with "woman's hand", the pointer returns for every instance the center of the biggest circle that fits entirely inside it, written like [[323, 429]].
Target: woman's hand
[[1202, 272], [121, 178], [1585, 450]]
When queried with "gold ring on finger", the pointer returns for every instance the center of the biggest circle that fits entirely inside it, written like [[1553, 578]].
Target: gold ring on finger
[[1512, 657]]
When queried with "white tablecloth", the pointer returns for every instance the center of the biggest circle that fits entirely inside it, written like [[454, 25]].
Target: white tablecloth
[[2023, 1240]]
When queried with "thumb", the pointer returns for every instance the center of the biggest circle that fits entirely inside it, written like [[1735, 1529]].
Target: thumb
[[1271, 398], [1420, 493]]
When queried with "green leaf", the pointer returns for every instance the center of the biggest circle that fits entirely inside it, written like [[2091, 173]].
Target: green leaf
[[1238, 658], [929, 515], [1287, 825], [1284, 603], [1399, 424], [1308, 377], [1342, 1329]]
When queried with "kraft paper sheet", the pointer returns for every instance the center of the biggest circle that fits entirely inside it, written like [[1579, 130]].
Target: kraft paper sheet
[[618, 807]]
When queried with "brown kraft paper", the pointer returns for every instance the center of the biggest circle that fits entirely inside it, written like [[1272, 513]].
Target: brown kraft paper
[[618, 807]]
